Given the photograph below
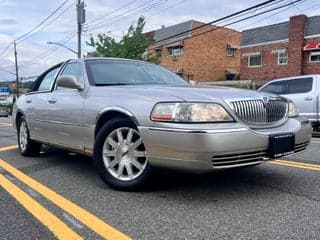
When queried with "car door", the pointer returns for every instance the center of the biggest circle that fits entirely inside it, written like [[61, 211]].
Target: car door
[[65, 111], [36, 104], [301, 92]]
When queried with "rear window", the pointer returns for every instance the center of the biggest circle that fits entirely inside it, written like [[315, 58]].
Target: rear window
[[300, 85], [276, 88]]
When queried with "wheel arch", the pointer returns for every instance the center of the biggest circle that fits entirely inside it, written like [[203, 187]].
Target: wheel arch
[[112, 112], [18, 116]]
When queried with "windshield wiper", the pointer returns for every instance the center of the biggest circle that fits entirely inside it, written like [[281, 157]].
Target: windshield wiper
[[111, 84]]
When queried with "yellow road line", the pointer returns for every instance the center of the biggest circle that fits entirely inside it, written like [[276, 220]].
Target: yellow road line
[[4, 124], [90, 220], [2, 149], [297, 165], [54, 224]]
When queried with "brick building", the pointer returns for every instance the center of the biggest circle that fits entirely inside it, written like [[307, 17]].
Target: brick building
[[281, 50], [204, 54]]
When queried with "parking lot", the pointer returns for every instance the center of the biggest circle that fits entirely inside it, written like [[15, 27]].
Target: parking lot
[[65, 197]]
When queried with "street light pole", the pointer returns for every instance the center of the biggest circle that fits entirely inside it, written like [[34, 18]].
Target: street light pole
[[64, 46], [16, 64]]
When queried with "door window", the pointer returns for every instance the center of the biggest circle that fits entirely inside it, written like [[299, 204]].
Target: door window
[[300, 85], [47, 80], [276, 87]]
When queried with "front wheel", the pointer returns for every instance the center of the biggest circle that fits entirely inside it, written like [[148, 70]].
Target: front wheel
[[120, 155], [27, 146]]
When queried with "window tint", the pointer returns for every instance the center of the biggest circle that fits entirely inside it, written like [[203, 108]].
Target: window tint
[[73, 69], [108, 72], [276, 87], [314, 56], [282, 58], [301, 85], [175, 51], [231, 52], [254, 60], [47, 81]]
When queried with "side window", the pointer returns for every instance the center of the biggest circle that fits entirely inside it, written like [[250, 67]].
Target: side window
[[301, 85], [276, 87], [48, 80], [73, 69]]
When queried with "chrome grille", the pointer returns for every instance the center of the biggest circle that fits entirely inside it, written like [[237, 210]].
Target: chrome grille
[[260, 112]]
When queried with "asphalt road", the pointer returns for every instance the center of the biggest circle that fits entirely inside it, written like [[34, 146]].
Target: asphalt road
[[276, 200]]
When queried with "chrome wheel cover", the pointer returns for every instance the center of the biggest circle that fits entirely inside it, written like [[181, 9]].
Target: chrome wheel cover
[[23, 136], [124, 155]]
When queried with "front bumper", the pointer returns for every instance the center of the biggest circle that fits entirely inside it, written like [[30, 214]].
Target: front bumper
[[200, 150]]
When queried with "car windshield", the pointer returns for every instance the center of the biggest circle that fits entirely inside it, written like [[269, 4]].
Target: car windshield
[[118, 72]]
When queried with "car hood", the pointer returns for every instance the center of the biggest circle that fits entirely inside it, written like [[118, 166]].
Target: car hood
[[185, 93]]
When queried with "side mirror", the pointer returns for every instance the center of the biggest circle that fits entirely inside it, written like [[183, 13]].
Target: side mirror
[[69, 81]]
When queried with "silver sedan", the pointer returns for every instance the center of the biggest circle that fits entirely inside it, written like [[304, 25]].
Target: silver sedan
[[132, 115]]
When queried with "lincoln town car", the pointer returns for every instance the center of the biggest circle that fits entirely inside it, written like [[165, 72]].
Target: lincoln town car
[[132, 116]]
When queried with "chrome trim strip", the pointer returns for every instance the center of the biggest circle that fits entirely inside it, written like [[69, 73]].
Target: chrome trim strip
[[238, 165], [228, 130], [61, 123], [118, 109]]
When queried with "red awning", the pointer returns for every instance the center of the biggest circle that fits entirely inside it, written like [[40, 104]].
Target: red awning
[[312, 46]]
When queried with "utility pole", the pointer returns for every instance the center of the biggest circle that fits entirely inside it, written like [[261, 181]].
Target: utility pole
[[81, 18], [16, 63]]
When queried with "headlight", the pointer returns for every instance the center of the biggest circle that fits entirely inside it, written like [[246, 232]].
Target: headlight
[[190, 112], [292, 110]]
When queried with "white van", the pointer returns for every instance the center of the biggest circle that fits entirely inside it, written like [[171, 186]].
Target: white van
[[304, 91]]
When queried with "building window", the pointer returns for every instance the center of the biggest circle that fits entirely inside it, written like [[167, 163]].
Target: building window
[[175, 51], [254, 60], [158, 52], [314, 56], [231, 52], [282, 57]]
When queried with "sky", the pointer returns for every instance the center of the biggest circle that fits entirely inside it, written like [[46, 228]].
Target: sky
[[112, 17]]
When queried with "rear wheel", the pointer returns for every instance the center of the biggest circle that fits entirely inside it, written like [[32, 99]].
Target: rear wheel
[[120, 156], [27, 146]]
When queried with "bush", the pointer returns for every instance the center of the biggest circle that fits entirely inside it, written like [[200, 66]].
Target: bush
[[221, 78]]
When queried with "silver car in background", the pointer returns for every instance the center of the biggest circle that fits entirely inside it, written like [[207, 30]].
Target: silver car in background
[[133, 115], [304, 91]]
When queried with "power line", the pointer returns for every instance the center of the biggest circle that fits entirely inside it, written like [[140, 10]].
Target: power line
[[234, 22], [50, 22], [6, 49], [47, 53], [110, 13], [25, 35], [220, 19], [126, 14], [219, 27]]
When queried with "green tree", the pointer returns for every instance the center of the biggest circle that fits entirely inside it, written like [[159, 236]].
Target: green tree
[[132, 45]]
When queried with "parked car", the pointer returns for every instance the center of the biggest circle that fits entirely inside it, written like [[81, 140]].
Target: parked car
[[304, 91], [4, 112], [133, 115]]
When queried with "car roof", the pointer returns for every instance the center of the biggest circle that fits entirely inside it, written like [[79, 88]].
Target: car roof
[[106, 58], [295, 77]]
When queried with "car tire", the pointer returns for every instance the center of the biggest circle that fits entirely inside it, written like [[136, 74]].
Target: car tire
[[120, 156], [27, 146]]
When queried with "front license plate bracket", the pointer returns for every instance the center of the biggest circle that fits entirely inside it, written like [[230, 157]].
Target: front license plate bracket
[[281, 144]]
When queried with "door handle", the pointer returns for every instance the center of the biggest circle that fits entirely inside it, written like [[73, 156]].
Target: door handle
[[307, 98], [28, 101], [52, 101]]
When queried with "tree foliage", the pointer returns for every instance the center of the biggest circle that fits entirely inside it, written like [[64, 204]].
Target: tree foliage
[[132, 45]]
